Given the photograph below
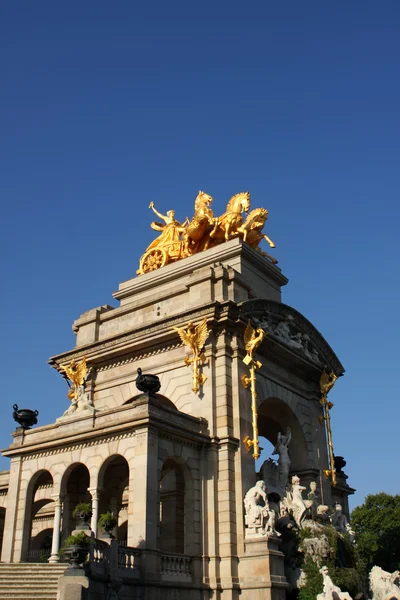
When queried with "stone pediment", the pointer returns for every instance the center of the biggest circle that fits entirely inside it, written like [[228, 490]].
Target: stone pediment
[[290, 329]]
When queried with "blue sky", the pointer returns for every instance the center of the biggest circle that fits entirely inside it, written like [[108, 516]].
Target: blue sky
[[106, 106]]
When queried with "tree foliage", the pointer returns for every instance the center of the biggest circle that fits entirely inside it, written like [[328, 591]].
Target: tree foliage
[[377, 527]]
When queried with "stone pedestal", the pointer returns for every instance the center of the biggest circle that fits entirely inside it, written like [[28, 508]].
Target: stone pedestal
[[72, 587], [261, 570]]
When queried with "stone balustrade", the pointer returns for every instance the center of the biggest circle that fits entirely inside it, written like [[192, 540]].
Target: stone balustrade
[[176, 566]]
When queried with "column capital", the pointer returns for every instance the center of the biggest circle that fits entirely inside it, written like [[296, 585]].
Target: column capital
[[58, 498], [95, 492]]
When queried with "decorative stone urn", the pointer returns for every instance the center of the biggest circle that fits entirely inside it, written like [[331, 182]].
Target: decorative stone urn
[[82, 514], [25, 416], [76, 555], [150, 384]]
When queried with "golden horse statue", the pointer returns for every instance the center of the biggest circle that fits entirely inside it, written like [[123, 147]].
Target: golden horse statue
[[195, 237], [227, 225], [251, 233]]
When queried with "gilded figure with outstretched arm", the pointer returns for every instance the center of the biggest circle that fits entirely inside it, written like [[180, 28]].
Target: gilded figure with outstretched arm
[[171, 231]]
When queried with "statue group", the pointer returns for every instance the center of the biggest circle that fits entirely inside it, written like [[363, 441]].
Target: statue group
[[180, 240]]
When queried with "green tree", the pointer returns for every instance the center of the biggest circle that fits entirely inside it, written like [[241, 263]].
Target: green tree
[[377, 527]]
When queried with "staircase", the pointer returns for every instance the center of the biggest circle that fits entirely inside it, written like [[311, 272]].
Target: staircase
[[29, 581]]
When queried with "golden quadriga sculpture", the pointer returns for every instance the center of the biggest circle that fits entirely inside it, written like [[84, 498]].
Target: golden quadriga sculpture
[[180, 240]]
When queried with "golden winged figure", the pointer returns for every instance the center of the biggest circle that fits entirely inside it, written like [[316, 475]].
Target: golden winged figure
[[194, 336], [326, 382], [76, 373], [252, 339]]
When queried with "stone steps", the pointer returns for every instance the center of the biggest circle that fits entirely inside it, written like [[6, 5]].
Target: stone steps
[[29, 581]]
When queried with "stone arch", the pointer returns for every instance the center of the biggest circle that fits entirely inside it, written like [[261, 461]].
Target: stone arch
[[275, 415], [113, 485], [176, 516], [73, 490], [41, 480], [2, 522]]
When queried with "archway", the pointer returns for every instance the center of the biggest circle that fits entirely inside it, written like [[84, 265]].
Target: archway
[[172, 508], [114, 496], [275, 416], [74, 490], [2, 522], [39, 515]]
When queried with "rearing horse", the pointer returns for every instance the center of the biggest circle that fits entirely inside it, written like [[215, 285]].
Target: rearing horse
[[203, 220], [227, 225]]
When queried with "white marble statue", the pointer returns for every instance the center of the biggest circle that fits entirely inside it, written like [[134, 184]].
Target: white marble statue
[[81, 403], [330, 590], [259, 518], [282, 449], [293, 502], [384, 585]]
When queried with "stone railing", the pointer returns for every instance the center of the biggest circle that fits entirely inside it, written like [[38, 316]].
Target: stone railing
[[99, 552], [176, 566], [128, 558], [38, 556]]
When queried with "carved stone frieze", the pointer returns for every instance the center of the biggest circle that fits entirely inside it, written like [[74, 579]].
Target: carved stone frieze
[[80, 446], [289, 328]]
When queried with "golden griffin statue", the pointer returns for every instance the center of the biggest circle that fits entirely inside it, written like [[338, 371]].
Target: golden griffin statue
[[180, 240], [76, 373], [252, 340], [326, 383], [194, 336]]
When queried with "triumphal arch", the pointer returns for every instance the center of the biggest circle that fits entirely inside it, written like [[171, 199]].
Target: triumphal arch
[[169, 395]]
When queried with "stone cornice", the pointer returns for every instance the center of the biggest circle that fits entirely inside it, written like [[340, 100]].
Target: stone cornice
[[158, 418], [160, 334]]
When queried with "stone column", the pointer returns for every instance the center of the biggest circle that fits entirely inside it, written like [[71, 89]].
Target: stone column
[[55, 546], [94, 492]]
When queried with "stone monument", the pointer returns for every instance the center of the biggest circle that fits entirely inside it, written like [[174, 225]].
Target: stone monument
[[176, 465]]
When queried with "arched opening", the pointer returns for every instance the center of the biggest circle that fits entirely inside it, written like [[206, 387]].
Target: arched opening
[[41, 545], [276, 416], [39, 517], [74, 489], [114, 497], [172, 508], [2, 522]]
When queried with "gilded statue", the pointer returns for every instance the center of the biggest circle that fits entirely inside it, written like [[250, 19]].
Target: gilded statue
[[76, 373], [196, 236], [80, 400], [252, 340], [194, 336], [228, 224], [326, 382], [251, 233], [180, 240], [168, 244]]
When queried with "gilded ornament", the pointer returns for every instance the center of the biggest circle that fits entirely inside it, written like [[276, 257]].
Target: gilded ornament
[[252, 340], [76, 373], [180, 240], [194, 336], [327, 381]]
